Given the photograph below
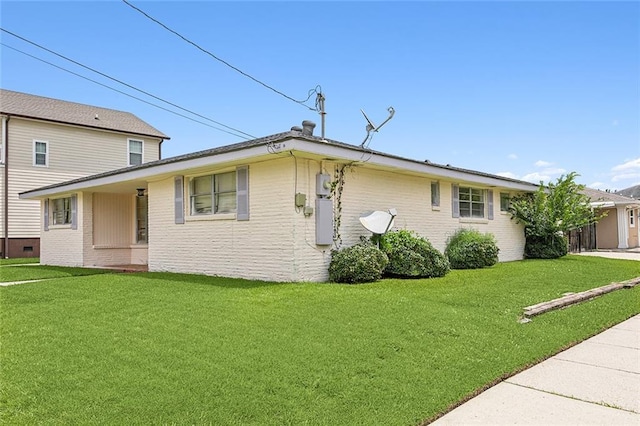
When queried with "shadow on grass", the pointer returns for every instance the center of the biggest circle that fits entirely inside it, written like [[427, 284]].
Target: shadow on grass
[[209, 280]]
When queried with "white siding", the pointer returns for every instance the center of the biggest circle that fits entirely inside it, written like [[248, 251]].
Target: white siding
[[73, 152]]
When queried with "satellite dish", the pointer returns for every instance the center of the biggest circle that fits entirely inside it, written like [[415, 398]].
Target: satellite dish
[[379, 222]]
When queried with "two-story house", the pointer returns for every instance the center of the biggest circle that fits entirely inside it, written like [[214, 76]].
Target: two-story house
[[45, 141]]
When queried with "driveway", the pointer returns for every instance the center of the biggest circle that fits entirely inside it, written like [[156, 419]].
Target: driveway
[[630, 254]]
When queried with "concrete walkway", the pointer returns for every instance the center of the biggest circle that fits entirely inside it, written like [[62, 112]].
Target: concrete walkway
[[628, 254], [596, 382]]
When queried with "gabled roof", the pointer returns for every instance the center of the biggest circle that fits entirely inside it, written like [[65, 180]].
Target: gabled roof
[[608, 199], [278, 144], [633, 192], [58, 111]]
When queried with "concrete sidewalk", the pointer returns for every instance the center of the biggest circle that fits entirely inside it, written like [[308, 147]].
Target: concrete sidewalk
[[596, 382]]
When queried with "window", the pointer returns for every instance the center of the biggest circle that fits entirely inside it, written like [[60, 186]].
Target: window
[[142, 212], [135, 152], [435, 194], [505, 201], [61, 211], [471, 202], [213, 194], [632, 222], [40, 153]]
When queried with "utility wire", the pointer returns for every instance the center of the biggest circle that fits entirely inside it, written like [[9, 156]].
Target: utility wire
[[124, 84], [121, 92], [197, 46]]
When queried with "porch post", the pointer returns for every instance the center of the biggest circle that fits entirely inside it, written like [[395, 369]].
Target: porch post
[[623, 228]]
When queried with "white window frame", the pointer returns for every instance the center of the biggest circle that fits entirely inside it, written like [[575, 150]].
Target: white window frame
[[129, 152], [471, 193], [632, 219], [35, 153], [213, 194], [142, 223], [508, 196], [66, 211], [2, 139], [435, 195]]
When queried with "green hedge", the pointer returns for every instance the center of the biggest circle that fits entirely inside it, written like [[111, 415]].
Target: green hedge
[[361, 263], [471, 249], [412, 256]]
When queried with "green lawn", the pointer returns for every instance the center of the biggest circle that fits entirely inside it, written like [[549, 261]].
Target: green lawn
[[153, 348], [19, 261], [10, 273]]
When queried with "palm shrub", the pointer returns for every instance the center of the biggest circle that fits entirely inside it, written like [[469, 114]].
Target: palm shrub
[[550, 213], [360, 263], [412, 256], [471, 249]]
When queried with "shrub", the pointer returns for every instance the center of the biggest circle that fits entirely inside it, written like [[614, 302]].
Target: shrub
[[360, 263], [412, 256], [549, 247], [470, 249]]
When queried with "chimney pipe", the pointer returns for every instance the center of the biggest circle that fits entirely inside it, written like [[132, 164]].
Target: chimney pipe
[[307, 127]]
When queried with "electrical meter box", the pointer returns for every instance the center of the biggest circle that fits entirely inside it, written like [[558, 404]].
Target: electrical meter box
[[301, 200], [323, 184], [324, 221]]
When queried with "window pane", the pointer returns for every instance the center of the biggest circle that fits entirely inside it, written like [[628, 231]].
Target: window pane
[[225, 182], [202, 185], [41, 159], [201, 204], [61, 211], [465, 210], [41, 148], [477, 210], [135, 147], [504, 202], [226, 203], [135, 159], [141, 216], [435, 193]]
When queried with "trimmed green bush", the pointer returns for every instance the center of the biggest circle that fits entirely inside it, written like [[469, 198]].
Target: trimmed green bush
[[361, 263], [552, 246], [471, 249], [412, 256]]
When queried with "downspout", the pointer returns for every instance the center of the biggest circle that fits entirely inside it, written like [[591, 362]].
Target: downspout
[[160, 149], [5, 201]]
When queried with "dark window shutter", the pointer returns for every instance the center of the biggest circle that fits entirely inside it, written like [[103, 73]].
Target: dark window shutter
[[242, 193], [74, 211], [455, 200], [179, 199], [490, 203], [45, 218]]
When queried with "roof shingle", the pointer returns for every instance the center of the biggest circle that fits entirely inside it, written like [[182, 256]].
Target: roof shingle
[[59, 111]]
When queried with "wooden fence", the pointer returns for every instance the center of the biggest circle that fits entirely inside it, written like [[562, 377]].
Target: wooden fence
[[583, 239]]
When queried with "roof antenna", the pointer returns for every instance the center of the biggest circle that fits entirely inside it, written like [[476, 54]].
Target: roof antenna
[[371, 128]]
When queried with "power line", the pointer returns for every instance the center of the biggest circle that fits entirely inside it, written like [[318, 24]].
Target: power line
[[121, 92], [123, 83], [197, 46]]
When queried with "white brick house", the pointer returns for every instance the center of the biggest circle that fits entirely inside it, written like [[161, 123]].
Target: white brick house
[[237, 210]]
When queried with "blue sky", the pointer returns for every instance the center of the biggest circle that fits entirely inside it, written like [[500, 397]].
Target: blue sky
[[529, 90]]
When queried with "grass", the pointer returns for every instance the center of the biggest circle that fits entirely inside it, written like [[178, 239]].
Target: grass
[[10, 273], [155, 348], [19, 261]]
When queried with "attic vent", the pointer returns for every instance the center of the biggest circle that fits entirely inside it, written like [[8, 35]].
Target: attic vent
[[307, 127], [296, 129]]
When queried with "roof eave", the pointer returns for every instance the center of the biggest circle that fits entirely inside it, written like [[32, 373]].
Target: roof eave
[[29, 117]]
